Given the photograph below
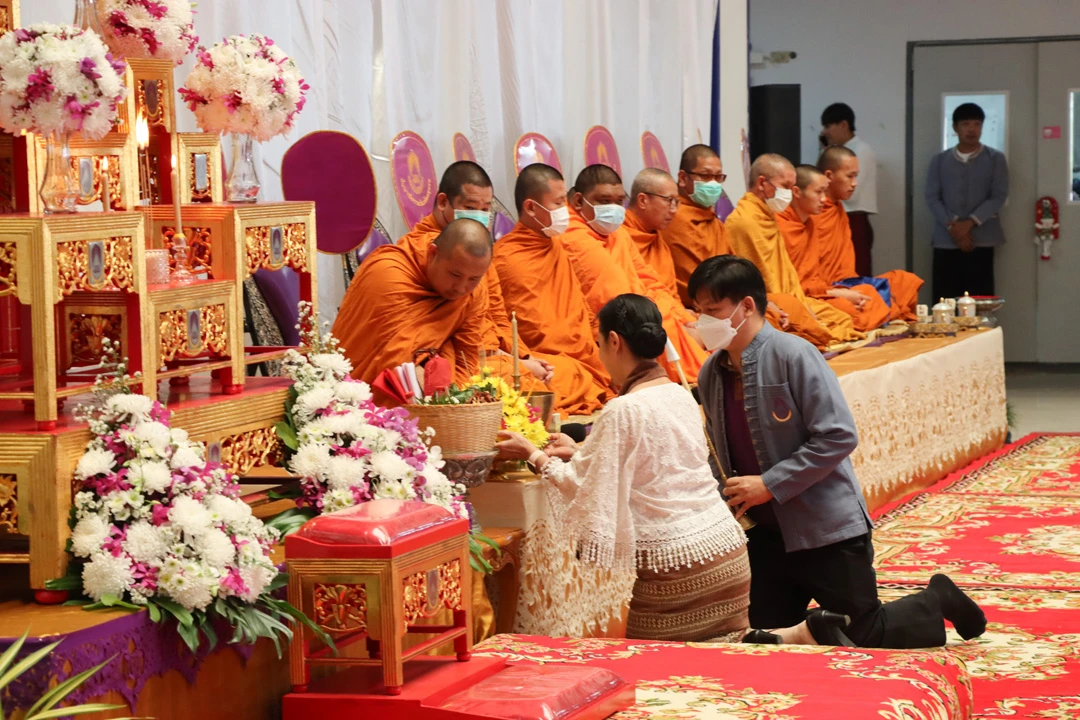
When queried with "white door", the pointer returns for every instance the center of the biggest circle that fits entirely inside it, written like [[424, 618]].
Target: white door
[[1031, 94]]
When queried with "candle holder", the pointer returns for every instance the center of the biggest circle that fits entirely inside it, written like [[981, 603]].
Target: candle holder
[[157, 267], [180, 274]]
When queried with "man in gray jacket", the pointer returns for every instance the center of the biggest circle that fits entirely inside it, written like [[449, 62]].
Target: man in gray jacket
[[784, 434]]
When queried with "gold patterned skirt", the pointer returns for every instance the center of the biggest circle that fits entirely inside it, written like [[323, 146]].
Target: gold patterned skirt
[[703, 602]]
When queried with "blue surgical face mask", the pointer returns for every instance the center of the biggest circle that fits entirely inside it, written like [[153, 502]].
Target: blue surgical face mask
[[607, 218], [706, 193], [481, 216]]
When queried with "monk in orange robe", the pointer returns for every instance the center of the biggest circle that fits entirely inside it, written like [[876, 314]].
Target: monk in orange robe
[[654, 196], [539, 285], [837, 251], [608, 264], [696, 233], [797, 224], [407, 298], [466, 188], [755, 235]]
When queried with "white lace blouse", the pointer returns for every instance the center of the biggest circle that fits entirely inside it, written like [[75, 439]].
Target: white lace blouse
[[639, 493]]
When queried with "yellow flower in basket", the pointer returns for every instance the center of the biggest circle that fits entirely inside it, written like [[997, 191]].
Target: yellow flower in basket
[[518, 415]]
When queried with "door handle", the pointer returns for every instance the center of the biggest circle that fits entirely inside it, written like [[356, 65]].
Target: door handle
[[1047, 225]]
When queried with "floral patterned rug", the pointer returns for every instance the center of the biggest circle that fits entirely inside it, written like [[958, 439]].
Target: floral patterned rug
[[1008, 529]]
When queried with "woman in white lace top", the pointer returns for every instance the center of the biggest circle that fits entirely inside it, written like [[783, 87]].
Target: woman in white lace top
[[639, 496]]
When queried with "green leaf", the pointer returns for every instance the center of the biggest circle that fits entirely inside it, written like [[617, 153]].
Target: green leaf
[[288, 492], [208, 629], [154, 610], [62, 690], [280, 580], [78, 710], [112, 601], [190, 635], [25, 664], [68, 582], [287, 434], [78, 602], [177, 611], [9, 655], [284, 607]]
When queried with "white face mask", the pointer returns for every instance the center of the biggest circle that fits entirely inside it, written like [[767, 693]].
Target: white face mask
[[606, 218], [559, 219], [779, 202], [717, 333]]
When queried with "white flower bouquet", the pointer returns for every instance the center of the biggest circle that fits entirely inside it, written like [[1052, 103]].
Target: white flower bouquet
[[154, 525], [159, 29], [245, 84], [58, 79]]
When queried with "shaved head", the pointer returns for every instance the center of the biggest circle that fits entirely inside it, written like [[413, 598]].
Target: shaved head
[[834, 157], [768, 166], [534, 182], [691, 155], [652, 180], [460, 174], [806, 174], [595, 175], [458, 259]]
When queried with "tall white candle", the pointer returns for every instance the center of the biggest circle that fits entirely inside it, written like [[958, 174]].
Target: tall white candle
[[176, 196], [514, 351]]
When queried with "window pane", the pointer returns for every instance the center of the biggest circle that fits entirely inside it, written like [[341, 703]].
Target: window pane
[[995, 127], [1074, 142]]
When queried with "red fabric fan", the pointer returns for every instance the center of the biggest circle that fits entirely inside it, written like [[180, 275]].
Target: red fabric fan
[[387, 382], [438, 373]]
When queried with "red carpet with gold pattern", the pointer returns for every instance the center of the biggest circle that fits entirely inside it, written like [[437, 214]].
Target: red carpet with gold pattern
[[1008, 530]]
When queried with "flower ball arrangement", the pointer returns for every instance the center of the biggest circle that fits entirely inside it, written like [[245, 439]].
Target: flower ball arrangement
[[157, 29]]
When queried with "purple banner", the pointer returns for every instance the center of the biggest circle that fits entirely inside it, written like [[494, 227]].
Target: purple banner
[[652, 152], [463, 149], [600, 149], [535, 148], [413, 174]]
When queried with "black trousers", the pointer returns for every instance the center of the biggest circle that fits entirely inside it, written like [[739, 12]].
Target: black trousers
[[862, 238], [841, 578], [957, 272]]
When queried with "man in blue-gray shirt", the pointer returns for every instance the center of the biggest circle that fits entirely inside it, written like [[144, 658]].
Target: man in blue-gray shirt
[[965, 189], [783, 434]]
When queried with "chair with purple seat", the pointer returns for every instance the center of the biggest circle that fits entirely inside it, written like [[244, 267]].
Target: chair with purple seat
[[378, 237], [723, 207], [503, 220]]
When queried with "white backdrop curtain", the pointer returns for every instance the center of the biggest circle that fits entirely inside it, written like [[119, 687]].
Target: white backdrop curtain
[[491, 69]]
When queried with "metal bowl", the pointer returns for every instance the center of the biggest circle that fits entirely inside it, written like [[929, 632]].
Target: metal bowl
[[469, 469], [986, 305], [543, 402]]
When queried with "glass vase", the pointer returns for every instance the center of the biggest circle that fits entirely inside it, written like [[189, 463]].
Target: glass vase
[[86, 16], [242, 185], [59, 186]]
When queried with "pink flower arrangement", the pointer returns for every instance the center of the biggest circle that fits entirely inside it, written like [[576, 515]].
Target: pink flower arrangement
[[160, 29], [245, 84], [57, 79]]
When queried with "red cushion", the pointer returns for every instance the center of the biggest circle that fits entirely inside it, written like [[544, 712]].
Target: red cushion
[[379, 528]]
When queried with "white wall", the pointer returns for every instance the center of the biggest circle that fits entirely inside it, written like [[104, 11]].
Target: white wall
[[855, 51], [734, 94]]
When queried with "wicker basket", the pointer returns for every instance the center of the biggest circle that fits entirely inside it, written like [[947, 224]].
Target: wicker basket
[[461, 429]]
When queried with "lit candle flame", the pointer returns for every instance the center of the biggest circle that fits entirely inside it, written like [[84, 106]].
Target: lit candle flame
[[142, 132], [173, 162], [104, 163]]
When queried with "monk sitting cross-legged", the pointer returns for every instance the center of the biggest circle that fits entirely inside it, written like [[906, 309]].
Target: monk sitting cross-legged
[[405, 299], [540, 286], [465, 191], [654, 196], [898, 288], [608, 264], [696, 233], [755, 235], [798, 226]]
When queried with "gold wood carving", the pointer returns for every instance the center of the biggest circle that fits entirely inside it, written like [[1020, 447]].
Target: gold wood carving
[[86, 333], [340, 608], [200, 252], [421, 600], [450, 585], [261, 252], [7, 269], [116, 198], [73, 266], [175, 341], [158, 117], [248, 450], [9, 504], [5, 20]]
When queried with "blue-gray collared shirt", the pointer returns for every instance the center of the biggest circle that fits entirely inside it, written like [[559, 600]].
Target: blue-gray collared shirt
[[976, 190]]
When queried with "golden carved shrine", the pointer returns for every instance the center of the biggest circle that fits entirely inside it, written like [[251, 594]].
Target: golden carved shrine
[[70, 281]]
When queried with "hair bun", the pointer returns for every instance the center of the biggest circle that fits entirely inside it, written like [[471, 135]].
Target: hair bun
[[649, 340]]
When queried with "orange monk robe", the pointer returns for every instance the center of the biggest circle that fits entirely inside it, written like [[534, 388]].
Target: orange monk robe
[[838, 261], [390, 310], [570, 382], [694, 235], [754, 234], [540, 286], [801, 241], [654, 251], [609, 266]]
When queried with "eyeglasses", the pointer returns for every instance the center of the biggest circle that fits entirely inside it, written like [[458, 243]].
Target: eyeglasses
[[671, 201], [719, 177]]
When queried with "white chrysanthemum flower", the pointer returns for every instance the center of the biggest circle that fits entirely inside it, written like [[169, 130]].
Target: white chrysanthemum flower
[[186, 457], [118, 504], [310, 460], [435, 458], [343, 472], [107, 575], [338, 499], [394, 490], [215, 548], [146, 543], [193, 587], [86, 502], [256, 577], [95, 461], [228, 510], [155, 435], [189, 516], [137, 405], [179, 435], [88, 535], [389, 466], [317, 398], [154, 476], [352, 392], [332, 362]]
